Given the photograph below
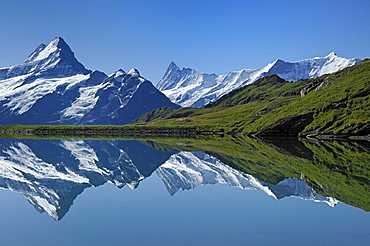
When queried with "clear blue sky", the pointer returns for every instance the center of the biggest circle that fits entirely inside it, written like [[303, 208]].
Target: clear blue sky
[[208, 35]]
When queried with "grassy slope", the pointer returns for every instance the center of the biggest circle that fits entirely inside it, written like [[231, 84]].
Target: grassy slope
[[341, 107]]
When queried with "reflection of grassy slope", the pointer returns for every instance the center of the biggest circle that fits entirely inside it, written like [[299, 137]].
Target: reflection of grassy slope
[[247, 156], [336, 169], [342, 170], [341, 106]]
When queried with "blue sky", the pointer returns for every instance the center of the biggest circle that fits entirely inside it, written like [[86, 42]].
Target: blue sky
[[208, 35]]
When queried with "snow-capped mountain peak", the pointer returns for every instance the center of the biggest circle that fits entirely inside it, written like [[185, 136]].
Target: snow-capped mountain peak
[[332, 54], [44, 51], [189, 88], [134, 72], [119, 72], [118, 75], [171, 68], [53, 60]]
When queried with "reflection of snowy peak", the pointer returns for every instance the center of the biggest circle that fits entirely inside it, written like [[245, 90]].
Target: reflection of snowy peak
[[298, 188], [188, 88], [187, 170], [52, 87], [51, 182]]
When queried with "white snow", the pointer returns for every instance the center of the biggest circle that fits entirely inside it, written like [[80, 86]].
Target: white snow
[[84, 154], [84, 103], [134, 72], [118, 73], [49, 208], [187, 170], [24, 95], [21, 160], [45, 52]]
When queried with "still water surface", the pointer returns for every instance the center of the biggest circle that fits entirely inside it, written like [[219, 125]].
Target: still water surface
[[128, 192]]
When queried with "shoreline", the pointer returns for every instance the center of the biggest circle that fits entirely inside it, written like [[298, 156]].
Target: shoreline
[[140, 131]]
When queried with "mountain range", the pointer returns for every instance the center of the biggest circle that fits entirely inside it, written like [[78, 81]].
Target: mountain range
[[52, 87], [190, 88], [330, 106]]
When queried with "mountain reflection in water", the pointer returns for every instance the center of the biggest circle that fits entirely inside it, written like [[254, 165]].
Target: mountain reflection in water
[[50, 174]]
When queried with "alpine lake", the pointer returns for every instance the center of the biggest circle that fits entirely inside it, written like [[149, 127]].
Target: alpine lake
[[183, 191]]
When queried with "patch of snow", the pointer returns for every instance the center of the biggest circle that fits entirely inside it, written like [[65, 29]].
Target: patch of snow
[[134, 72], [84, 103], [84, 154], [21, 160], [44, 53], [22, 96]]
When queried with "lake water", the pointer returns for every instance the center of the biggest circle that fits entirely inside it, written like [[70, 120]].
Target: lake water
[[184, 192]]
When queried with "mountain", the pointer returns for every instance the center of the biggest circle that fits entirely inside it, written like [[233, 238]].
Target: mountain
[[189, 88], [53, 60], [331, 105], [52, 87]]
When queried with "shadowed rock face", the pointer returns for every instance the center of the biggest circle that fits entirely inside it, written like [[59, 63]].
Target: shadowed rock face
[[290, 126], [53, 87]]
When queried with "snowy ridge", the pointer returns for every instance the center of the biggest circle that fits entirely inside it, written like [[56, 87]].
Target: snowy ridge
[[187, 170], [189, 88], [84, 103]]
